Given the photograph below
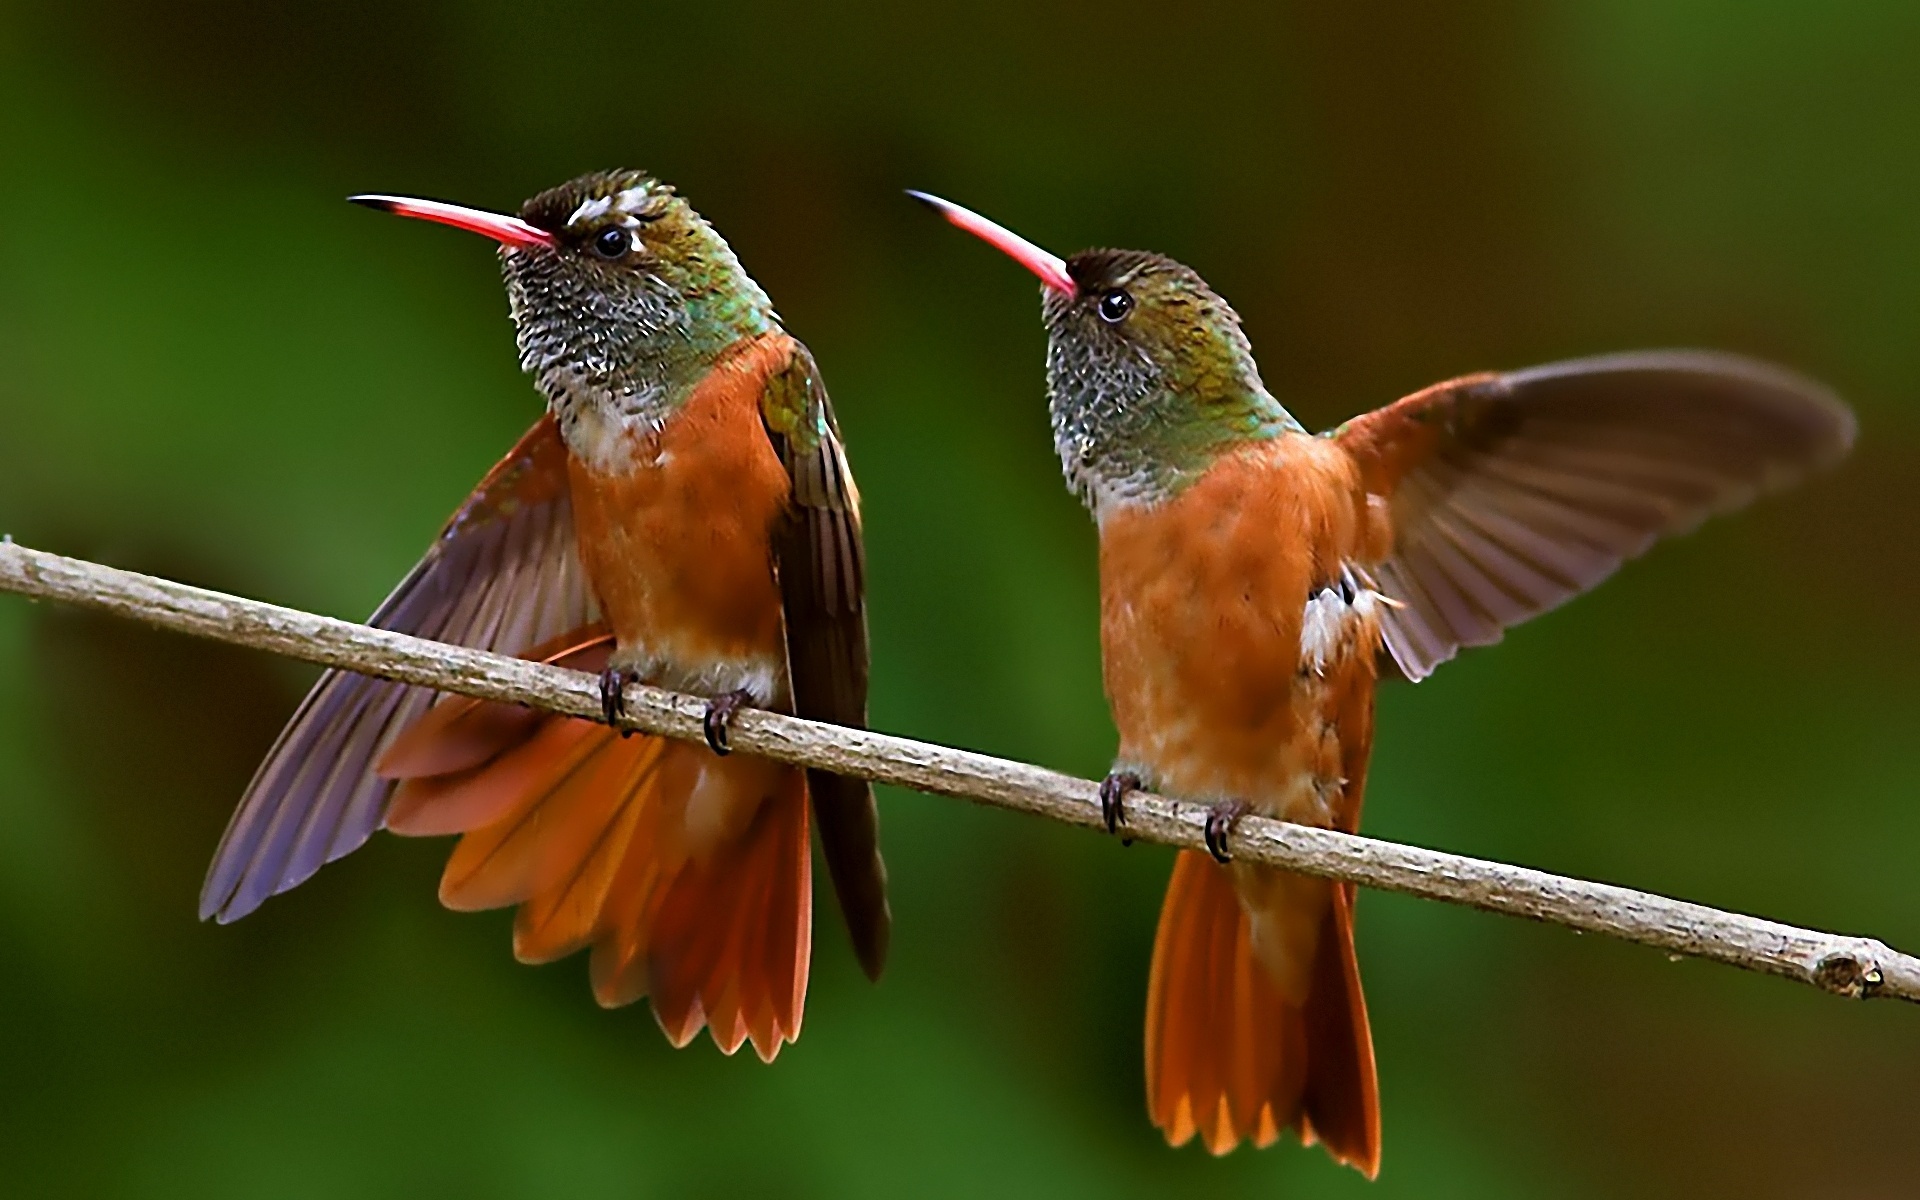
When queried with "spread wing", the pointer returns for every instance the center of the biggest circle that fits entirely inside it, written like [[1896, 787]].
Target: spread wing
[[822, 569], [1511, 493], [503, 575]]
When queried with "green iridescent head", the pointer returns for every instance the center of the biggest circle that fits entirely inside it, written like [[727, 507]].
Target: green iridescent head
[[633, 281], [621, 294], [1149, 377]]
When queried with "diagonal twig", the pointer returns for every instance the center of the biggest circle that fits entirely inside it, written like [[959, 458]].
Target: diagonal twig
[[1848, 966]]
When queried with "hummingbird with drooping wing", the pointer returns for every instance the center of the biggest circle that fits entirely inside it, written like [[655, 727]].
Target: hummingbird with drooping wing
[[682, 515], [1255, 579]]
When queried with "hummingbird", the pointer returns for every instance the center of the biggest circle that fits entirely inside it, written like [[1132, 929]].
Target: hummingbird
[[682, 514], [1257, 581]]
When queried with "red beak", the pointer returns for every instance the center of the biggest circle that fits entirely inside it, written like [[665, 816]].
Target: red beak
[[508, 231], [1051, 269]]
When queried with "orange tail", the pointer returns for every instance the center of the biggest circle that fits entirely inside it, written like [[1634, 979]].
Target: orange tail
[[687, 874], [1229, 1056]]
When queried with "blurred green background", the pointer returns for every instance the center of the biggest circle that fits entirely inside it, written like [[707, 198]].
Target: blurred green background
[[212, 369]]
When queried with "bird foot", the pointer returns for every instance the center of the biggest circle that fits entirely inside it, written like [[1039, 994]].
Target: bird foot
[[613, 698], [1221, 819], [719, 714], [1113, 800]]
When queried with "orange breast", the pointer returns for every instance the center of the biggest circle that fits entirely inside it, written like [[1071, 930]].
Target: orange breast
[[678, 541], [1201, 606]]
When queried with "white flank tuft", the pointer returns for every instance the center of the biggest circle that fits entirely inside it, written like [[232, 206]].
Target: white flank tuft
[[1331, 619]]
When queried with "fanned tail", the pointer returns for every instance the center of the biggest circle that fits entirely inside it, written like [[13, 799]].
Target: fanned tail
[[687, 874], [1229, 1055], [729, 940]]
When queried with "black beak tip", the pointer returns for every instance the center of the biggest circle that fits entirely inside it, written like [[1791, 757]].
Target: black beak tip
[[933, 202], [377, 203]]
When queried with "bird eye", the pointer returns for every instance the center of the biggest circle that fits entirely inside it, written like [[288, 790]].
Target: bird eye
[[1114, 306], [613, 243]]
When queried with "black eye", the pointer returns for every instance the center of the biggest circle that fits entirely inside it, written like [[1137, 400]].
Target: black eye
[[1114, 306], [613, 243]]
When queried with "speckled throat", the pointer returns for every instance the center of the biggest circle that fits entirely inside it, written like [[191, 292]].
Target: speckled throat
[[1127, 436], [618, 352]]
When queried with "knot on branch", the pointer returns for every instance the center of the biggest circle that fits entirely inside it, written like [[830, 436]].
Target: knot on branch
[[1845, 975]]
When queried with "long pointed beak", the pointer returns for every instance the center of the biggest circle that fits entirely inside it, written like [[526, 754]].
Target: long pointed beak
[[1051, 269], [508, 231]]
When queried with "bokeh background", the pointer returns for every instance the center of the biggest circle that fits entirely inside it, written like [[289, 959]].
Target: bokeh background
[[212, 369]]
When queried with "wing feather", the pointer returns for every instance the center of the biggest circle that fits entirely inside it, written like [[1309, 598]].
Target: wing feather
[[1512, 493], [504, 576], [822, 569]]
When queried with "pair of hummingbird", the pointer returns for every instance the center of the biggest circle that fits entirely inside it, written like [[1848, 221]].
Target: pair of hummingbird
[[683, 514]]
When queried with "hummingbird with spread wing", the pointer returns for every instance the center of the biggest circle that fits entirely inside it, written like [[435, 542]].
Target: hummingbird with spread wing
[[681, 515], [1257, 579]]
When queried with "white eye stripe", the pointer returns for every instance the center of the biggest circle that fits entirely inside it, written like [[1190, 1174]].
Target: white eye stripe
[[625, 204], [590, 210]]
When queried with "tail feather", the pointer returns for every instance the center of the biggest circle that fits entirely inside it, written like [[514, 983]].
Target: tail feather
[[437, 805], [460, 733], [732, 955], [520, 854], [1209, 1073], [1229, 1058], [455, 735], [689, 876], [563, 916], [1186, 926], [1342, 1101], [618, 966], [1215, 1061], [1272, 1060]]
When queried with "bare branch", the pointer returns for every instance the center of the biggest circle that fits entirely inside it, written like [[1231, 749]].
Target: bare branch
[[1847, 966]]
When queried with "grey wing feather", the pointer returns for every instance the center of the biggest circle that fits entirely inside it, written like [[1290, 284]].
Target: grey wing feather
[[1545, 480], [503, 576]]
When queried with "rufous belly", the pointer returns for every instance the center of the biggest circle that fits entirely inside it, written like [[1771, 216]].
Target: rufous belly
[[677, 541], [1203, 600]]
